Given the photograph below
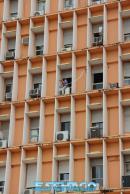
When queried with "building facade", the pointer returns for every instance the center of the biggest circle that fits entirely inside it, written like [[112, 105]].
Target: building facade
[[64, 93]]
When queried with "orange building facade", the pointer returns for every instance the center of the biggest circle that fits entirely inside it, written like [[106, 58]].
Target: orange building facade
[[64, 93]]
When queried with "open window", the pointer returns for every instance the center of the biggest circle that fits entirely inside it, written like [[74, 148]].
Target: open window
[[34, 129], [97, 170], [63, 170]]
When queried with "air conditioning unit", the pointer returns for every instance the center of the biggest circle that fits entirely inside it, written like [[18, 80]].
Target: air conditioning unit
[[25, 41], [67, 47], [114, 85], [8, 96], [3, 143], [39, 13], [126, 181], [95, 132], [28, 191], [35, 93], [62, 136], [10, 54]]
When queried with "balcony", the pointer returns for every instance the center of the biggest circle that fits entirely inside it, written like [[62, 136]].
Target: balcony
[[10, 54], [65, 86], [98, 39], [96, 130], [127, 37], [35, 93]]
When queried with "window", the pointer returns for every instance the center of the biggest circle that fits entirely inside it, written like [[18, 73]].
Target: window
[[127, 119], [13, 8], [34, 129], [63, 170], [37, 81], [2, 178], [4, 130], [97, 171], [41, 5], [68, 3], [31, 170], [65, 122], [68, 37], [126, 29], [127, 164], [11, 44], [127, 73]]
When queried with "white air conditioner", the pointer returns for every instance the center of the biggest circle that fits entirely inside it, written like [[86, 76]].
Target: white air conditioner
[[3, 143], [14, 16], [62, 136], [25, 40], [28, 191], [39, 13]]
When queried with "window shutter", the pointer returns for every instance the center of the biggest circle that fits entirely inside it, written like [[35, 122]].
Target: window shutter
[[127, 69], [126, 26], [64, 166], [39, 39], [13, 6], [68, 36], [11, 43], [127, 118], [2, 173], [97, 116], [31, 174], [34, 123]]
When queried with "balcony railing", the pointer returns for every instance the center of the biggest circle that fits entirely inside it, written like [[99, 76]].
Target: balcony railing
[[97, 86], [10, 54], [35, 93], [127, 81], [98, 39], [96, 131], [127, 37], [99, 181]]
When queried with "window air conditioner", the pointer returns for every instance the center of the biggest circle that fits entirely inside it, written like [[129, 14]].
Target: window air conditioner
[[62, 136], [25, 41], [3, 143]]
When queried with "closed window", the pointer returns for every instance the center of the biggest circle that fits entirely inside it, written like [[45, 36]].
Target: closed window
[[63, 167], [97, 170], [127, 119], [127, 164], [31, 170]]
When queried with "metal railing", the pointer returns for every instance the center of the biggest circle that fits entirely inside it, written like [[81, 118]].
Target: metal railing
[[96, 130], [127, 81], [97, 86], [95, 2], [98, 40]]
